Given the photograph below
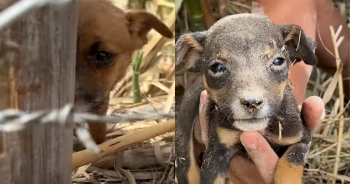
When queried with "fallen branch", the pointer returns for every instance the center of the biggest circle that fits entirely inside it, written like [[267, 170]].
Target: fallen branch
[[120, 143]]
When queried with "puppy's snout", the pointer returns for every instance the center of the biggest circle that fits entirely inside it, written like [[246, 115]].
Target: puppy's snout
[[252, 101]]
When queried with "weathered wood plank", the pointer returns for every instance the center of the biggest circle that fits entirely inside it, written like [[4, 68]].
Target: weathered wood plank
[[37, 71]]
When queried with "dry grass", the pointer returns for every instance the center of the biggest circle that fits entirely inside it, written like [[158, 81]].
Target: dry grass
[[329, 156], [140, 152]]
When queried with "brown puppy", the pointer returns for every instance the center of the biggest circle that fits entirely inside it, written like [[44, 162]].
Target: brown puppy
[[244, 62], [107, 38]]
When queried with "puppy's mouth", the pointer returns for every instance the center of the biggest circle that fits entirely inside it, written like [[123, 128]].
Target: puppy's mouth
[[90, 105], [95, 106], [252, 124], [252, 119]]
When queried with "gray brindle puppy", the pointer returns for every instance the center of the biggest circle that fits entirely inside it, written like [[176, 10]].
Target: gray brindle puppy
[[244, 62]]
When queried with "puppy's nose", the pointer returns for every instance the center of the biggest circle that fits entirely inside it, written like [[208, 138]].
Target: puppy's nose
[[252, 101]]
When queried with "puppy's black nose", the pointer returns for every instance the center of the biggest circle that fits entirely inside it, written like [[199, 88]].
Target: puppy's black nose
[[252, 101]]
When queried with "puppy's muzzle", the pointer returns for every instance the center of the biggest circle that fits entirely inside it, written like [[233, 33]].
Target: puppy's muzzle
[[87, 102]]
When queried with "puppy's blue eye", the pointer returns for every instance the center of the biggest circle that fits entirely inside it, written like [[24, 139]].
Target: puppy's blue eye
[[278, 61], [217, 68]]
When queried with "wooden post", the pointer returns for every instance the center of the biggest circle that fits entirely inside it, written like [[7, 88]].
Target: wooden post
[[37, 71]]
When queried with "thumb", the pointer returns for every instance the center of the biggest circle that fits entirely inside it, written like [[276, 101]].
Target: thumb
[[313, 112]]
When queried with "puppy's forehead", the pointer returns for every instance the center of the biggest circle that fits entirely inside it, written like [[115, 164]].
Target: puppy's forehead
[[100, 21], [240, 22], [244, 34], [246, 27]]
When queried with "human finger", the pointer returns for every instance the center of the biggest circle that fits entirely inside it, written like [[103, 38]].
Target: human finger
[[313, 113], [203, 116]]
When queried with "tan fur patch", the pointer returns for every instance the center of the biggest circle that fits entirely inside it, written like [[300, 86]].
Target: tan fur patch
[[212, 93], [193, 174], [287, 173], [220, 180], [228, 137], [281, 89], [283, 85], [223, 54], [193, 43], [268, 51]]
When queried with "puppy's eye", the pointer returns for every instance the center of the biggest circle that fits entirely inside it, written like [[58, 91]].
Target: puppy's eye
[[278, 61], [217, 68], [103, 58]]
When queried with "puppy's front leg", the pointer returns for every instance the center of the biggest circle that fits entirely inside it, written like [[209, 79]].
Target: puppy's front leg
[[222, 146], [290, 166]]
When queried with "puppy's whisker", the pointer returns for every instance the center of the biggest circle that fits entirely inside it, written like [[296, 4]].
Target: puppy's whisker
[[228, 118], [221, 107]]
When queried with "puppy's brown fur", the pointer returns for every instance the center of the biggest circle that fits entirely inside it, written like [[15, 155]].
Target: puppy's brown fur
[[107, 38], [244, 61]]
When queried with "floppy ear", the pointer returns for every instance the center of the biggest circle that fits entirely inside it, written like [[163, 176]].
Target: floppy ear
[[189, 49], [140, 22], [299, 47]]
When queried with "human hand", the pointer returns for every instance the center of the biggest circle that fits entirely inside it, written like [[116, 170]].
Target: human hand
[[264, 158]]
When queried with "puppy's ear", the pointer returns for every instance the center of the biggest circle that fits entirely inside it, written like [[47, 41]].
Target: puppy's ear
[[140, 22], [189, 48], [299, 46]]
